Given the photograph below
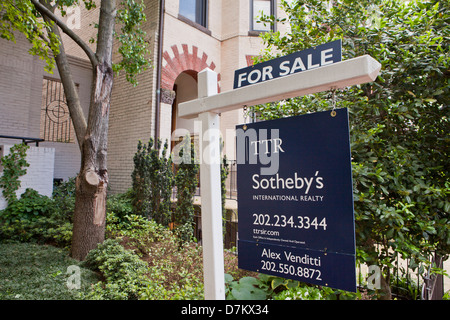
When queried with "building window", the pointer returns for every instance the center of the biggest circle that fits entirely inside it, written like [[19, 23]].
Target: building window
[[56, 124], [195, 10], [258, 9]]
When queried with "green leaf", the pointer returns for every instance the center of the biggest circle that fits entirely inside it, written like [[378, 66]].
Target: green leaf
[[399, 122]]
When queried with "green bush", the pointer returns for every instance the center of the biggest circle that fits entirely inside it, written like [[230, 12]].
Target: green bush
[[14, 165], [171, 273], [153, 179], [174, 267], [64, 198], [398, 123], [179, 269], [139, 232], [37, 218], [246, 288], [186, 180], [300, 293], [123, 271], [152, 182], [24, 219], [120, 204], [30, 206]]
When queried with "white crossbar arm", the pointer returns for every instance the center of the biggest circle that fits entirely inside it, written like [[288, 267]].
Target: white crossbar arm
[[342, 74]]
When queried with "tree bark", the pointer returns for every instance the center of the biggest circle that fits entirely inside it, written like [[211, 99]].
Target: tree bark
[[385, 290], [92, 181], [89, 216]]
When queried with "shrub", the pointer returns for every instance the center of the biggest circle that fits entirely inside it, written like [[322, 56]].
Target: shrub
[[165, 270], [35, 217], [175, 271], [152, 182], [174, 268], [399, 122], [246, 288], [300, 293], [64, 198], [120, 204], [14, 165], [186, 181], [138, 232], [123, 271], [25, 218], [30, 206]]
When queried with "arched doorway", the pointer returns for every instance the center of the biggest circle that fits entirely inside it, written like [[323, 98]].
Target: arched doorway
[[185, 88]]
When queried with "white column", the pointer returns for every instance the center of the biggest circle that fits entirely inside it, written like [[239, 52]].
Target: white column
[[212, 239]]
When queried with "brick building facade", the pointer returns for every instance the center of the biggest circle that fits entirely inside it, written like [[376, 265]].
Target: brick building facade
[[24, 100], [185, 37]]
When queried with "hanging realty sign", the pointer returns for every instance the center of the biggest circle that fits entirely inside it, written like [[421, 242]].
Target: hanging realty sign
[[295, 203], [308, 59], [321, 179]]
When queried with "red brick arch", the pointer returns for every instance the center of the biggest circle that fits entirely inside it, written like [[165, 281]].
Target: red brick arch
[[185, 61]]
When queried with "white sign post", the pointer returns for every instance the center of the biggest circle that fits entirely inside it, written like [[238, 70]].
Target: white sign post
[[210, 186], [207, 108]]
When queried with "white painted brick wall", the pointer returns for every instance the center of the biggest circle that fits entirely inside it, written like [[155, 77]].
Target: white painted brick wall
[[39, 174]]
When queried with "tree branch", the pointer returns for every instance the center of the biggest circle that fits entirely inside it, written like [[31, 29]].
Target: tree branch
[[44, 11], [70, 90]]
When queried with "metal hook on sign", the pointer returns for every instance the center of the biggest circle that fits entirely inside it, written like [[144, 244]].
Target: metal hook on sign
[[245, 117], [333, 101]]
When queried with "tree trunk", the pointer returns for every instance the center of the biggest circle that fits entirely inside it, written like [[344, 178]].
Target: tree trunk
[[385, 290], [92, 181], [89, 216]]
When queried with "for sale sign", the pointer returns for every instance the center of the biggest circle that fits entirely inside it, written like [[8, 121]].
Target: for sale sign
[[308, 59], [295, 199]]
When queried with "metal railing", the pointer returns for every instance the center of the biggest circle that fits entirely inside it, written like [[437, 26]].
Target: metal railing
[[230, 229], [25, 140], [230, 221], [406, 283], [231, 182], [433, 284]]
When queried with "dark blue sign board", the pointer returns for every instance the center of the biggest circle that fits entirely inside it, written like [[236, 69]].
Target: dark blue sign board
[[311, 58], [295, 199]]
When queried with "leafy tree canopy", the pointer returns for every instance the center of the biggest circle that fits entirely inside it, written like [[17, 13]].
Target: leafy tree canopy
[[399, 123]]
